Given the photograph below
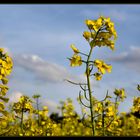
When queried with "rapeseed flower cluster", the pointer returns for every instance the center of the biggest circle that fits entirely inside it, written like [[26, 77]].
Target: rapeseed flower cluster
[[102, 68], [98, 118], [6, 66], [106, 32], [120, 93]]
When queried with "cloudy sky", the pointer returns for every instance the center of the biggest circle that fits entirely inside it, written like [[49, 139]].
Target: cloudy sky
[[38, 38]]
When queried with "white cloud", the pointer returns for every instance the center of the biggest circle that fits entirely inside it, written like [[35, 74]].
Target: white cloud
[[14, 97], [43, 70], [130, 59], [46, 71]]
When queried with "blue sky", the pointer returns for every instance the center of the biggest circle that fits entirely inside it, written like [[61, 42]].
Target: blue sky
[[38, 38]]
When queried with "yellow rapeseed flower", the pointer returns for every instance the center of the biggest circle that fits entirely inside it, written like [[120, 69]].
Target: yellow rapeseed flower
[[2, 71], [94, 24], [4, 64], [20, 134], [120, 93], [74, 48], [108, 68], [110, 27], [99, 21], [1, 77], [90, 23], [101, 69], [4, 80], [98, 62], [76, 61], [45, 108], [102, 66], [43, 123], [40, 113], [87, 35], [110, 111], [98, 76], [4, 123], [99, 65], [138, 87], [98, 24]]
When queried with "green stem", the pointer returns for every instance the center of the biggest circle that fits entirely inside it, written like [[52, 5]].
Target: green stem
[[103, 119], [89, 86], [22, 120], [116, 104], [62, 113], [90, 94], [37, 105]]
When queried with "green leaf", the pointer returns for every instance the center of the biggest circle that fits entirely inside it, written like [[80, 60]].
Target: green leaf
[[1, 106], [108, 96], [138, 87], [4, 99], [92, 43], [4, 113], [4, 80]]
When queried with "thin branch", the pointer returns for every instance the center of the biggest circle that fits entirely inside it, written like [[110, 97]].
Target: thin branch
[[103, 29], [116, 103], [92, 62], [103, 99], [85, 94], [82, 101], [105, 96], [5, 132], [111, 121], [103, 118], [83, 53], [94, 116], [17, 117], [84, 122], [91, 67], [84, 61], [80, 60], [74, 82], [83, 88]]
